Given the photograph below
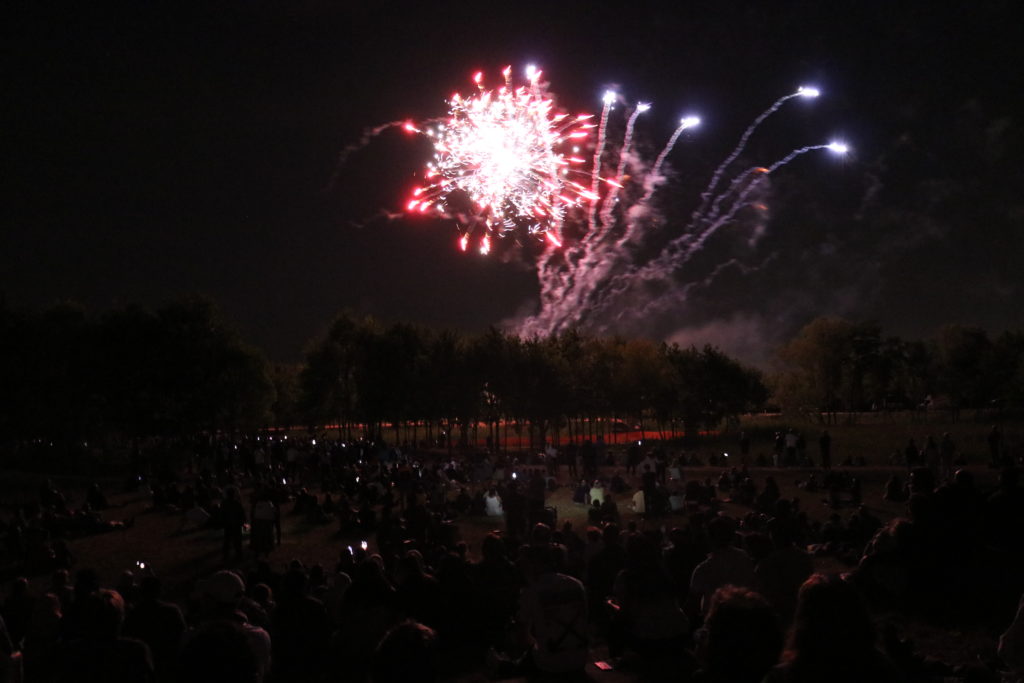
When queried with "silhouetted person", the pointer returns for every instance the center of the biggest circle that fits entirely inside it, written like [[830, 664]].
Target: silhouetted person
[[419, 593], [553, 610], [157, 623], [911, 454], [780, 575], [995, 446], [725, 565], [604, 566], [407, 654], [647, 618], [947, 454], [6, 646], [825, 450], [300, 630], [101, 655], [497, 582], [17, 610], [1011, 643], [832, 638], [233, 517], [741, 638], [895, 490], [219, 652], [221, 597], [1005, 512], [744, 448]]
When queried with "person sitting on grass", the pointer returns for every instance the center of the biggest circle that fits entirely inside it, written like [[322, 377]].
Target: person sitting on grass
[[610, 511], [895, 490], [553, 612], [646, 619], [725, 565], [493, 503], [158, 623], [221, 596], [407, 654], [580, 493], [101, 655], [594, 514]]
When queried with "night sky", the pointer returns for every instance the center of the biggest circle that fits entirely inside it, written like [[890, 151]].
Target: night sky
[[156, 150]]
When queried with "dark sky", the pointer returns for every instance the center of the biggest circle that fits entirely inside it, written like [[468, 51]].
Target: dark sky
[[154, 150]]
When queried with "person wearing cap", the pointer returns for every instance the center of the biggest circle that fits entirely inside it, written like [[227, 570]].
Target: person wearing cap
[[220, 617]]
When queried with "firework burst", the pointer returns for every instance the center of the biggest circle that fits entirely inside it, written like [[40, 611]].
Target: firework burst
[[506, 160]]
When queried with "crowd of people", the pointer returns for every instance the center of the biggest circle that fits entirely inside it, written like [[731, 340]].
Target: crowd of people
[[670, 587]]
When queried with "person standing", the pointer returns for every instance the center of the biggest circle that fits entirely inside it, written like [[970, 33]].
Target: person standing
[[265, 520], [233, 514], [791, 440], [744, 448], [995, 443], [825, 449], [947, 453]]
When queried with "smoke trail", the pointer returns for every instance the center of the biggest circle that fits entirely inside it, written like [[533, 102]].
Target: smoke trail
[[367, 137]]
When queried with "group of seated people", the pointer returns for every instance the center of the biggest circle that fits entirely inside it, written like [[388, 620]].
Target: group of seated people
[[35, 535], [421, 608], [692, 602]]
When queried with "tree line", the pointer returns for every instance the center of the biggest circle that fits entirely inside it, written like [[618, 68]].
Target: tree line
[[364, 373], [182, 369], [834, 365], [179, 369]]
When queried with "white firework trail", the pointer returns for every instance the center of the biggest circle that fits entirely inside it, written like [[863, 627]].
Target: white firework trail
[[682, 249], [716, 176], [655, 178], [602, 281], [593, 259], [602, 137], [620, 170]]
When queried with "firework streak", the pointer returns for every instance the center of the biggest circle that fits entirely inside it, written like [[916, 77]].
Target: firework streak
[[507, 163]]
